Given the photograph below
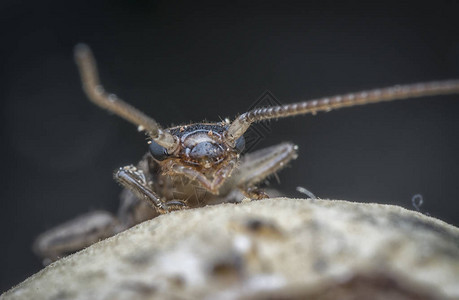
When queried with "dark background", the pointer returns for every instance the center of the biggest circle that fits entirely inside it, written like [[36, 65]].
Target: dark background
[[189, 62]]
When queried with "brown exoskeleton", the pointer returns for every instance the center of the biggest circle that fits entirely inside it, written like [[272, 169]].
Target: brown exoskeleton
[[198, 164]]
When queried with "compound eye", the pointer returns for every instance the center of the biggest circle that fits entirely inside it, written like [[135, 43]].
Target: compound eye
[[158, 152], [240, 144]]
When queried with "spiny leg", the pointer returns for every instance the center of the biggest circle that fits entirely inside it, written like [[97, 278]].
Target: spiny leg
[[133, 210], [258, 165], [134, 180], [75, 235]]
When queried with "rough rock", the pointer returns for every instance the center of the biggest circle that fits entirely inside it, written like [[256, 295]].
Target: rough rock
[[279, 248]]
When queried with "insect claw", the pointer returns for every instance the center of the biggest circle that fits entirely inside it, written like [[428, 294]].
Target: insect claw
[[175, 205]]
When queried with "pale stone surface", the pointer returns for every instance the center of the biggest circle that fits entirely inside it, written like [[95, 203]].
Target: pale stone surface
[[294, 248]]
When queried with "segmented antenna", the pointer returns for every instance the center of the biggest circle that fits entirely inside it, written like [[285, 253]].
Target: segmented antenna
[[397, 92], [96, 93]]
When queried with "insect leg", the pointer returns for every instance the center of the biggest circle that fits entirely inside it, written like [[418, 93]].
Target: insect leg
[[133, 210], [134, 180], [75, 235], [258, 165], [254, 192]]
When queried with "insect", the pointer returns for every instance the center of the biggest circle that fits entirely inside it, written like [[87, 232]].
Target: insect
[[197, 164]]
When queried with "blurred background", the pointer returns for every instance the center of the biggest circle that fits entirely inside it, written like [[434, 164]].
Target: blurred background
[[189, 62]]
